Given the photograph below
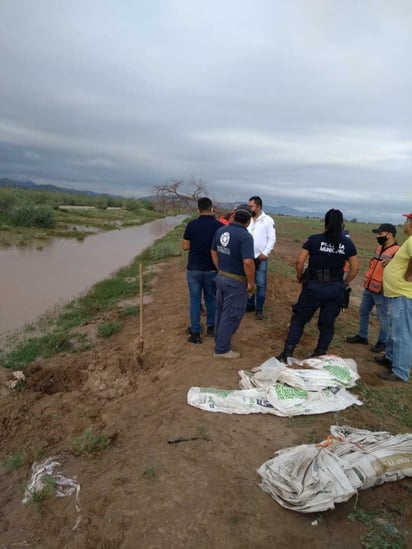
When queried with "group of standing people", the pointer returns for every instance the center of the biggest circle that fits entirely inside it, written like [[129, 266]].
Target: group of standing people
[[388, 287], [228, 261], [228, 264]]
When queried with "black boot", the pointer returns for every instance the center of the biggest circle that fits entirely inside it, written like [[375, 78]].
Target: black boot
[[317, 352], [287, 352], [194, 338]]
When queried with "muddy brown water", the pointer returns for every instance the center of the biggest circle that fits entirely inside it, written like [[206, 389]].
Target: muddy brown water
[[37, 277]]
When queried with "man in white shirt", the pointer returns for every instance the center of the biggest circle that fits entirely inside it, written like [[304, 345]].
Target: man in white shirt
[[262, 228]]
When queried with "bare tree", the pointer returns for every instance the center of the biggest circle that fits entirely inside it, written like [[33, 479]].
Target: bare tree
[[173, 195]]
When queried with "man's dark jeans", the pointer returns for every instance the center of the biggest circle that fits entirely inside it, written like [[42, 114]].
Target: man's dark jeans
[[197, 282]]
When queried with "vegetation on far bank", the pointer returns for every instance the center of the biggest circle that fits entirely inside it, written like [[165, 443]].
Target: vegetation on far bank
[[27, 214]]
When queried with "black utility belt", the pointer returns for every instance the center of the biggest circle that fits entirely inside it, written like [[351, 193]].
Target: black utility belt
[[324, 275]]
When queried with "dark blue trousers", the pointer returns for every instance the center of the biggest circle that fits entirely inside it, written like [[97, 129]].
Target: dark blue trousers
[[231, 299], [325, 296]]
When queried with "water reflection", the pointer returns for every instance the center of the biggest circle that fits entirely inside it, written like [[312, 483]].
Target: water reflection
[[45, 273]]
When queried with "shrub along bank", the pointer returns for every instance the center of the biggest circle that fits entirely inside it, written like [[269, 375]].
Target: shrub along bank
[[35, 214]]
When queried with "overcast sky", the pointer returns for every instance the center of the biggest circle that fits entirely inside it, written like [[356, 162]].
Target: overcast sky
[[307, 103]]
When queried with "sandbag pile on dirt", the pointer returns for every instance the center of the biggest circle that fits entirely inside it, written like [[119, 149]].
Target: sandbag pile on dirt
[[313, 477], [274, 388], [312, 374]]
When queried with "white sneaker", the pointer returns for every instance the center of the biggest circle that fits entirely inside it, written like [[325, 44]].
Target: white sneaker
[[229, 354]]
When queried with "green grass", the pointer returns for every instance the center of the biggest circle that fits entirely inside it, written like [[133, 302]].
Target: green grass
[[133, 310], [89, 444], [14, 462], [48, 490], [201, 431], [149, 473], [35, 347], [391, 401], [381, 529], [109, 328], [104, 219], [280, 268]]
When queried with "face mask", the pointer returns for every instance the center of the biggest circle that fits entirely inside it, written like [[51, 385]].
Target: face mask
[[381, 239]]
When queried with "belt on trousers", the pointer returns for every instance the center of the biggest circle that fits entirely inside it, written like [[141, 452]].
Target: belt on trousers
[[239, 278], [322, 275], [331, 278]]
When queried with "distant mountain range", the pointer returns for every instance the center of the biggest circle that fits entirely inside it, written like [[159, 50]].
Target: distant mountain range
[[279, 210], [274, 210], [285, 210], [5, 182]]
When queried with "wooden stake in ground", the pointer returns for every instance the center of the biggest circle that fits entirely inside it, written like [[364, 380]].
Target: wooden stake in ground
[[139, 356]]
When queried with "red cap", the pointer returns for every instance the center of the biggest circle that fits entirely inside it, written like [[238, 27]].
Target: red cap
[[409, 216]]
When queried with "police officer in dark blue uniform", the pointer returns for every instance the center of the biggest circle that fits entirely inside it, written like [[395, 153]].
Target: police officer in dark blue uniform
[[233, 255], [323, 286]]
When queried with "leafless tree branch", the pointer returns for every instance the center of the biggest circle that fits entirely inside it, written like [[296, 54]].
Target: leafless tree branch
[[172, 194]]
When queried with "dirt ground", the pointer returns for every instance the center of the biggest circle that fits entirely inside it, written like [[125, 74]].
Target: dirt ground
[[143, 490]]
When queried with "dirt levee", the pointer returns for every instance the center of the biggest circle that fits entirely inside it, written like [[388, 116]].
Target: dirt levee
[[149, 488]]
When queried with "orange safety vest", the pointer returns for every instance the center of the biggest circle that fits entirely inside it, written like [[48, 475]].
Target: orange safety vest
[[374, 275]]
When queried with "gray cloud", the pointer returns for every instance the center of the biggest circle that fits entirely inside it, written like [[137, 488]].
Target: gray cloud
[[306, 103]]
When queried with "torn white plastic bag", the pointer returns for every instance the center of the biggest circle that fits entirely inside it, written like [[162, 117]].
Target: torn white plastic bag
[[314, 374], [312, 478], [63, 486], [274, 388], [277, 399]]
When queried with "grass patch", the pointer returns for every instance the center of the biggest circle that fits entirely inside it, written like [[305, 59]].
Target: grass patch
[[109, 328], [133, 310], [382, 532], [164, 250], [14, 462], [201, 431], [48, 490], [149, 473], [89, 444], [382, 402], [281, 269], [28, 350]]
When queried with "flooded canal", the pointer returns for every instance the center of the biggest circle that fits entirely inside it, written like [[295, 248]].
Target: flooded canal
[[34, 279]]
